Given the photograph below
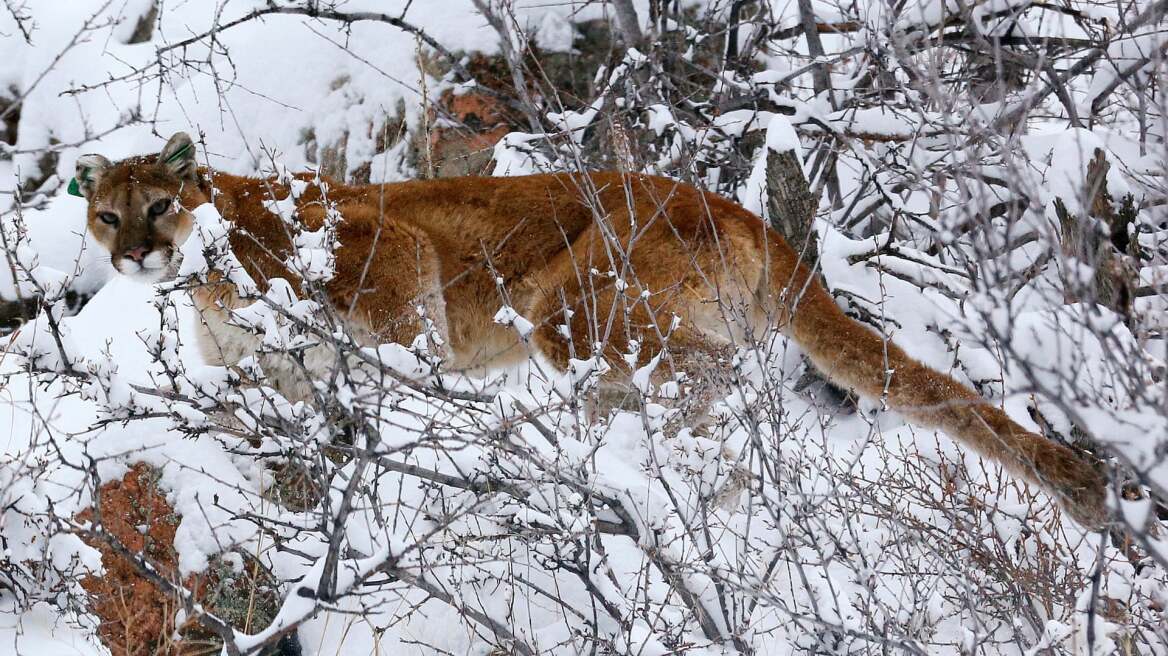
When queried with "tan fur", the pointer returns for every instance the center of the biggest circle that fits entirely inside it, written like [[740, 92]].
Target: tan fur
[[554, 240]]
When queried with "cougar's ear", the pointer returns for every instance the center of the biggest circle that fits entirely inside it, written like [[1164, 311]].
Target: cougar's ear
[[178, 156], [89, 170]]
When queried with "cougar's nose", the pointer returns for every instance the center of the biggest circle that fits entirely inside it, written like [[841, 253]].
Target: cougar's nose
[[137, 254]]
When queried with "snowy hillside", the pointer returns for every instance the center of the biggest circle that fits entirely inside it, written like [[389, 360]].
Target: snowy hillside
[[984, 186]]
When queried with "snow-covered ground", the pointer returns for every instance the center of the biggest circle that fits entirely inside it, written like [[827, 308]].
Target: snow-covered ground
[[46, 426]]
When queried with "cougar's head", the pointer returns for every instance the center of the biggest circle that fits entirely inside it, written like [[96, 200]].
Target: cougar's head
[[138, 207]]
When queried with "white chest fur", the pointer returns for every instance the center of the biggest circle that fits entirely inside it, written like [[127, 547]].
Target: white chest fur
[[222, 342]]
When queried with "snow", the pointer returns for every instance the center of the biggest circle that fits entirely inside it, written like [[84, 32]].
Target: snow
[[781, 137], [41, 630], [248, 109], [507, 316], [58, 234]]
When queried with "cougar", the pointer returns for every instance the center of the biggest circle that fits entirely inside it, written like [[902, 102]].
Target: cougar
[[624, 265]]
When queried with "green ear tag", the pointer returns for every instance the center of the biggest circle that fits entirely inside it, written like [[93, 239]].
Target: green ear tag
[[75, 189], [178, 154]]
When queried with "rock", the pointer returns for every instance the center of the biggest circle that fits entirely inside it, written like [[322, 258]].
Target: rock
[[137, 617], [469, 126]]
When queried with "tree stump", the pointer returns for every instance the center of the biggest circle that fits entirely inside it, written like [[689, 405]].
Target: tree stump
[[792, 206]]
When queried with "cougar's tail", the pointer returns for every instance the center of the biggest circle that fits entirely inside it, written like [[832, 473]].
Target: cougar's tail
[[852, 356]]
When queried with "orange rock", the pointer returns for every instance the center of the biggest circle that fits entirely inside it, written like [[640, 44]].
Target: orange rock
[[467, 148], [136, 616]]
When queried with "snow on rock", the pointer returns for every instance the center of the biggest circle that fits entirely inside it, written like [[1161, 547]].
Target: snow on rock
[[780, 137]]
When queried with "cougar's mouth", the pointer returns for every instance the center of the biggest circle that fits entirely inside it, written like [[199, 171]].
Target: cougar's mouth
[[158, 265]]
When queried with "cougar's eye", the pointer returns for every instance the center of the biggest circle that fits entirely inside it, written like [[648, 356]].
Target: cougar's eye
[[160, 207], [108, 218]]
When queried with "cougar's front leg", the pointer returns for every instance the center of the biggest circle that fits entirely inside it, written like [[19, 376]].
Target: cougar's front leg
[[400, 294]]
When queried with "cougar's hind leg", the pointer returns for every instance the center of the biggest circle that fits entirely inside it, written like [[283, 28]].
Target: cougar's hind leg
[[680, 298], [693, 372], [704, 357], [620, 322], [707, 362], [707, 359]]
